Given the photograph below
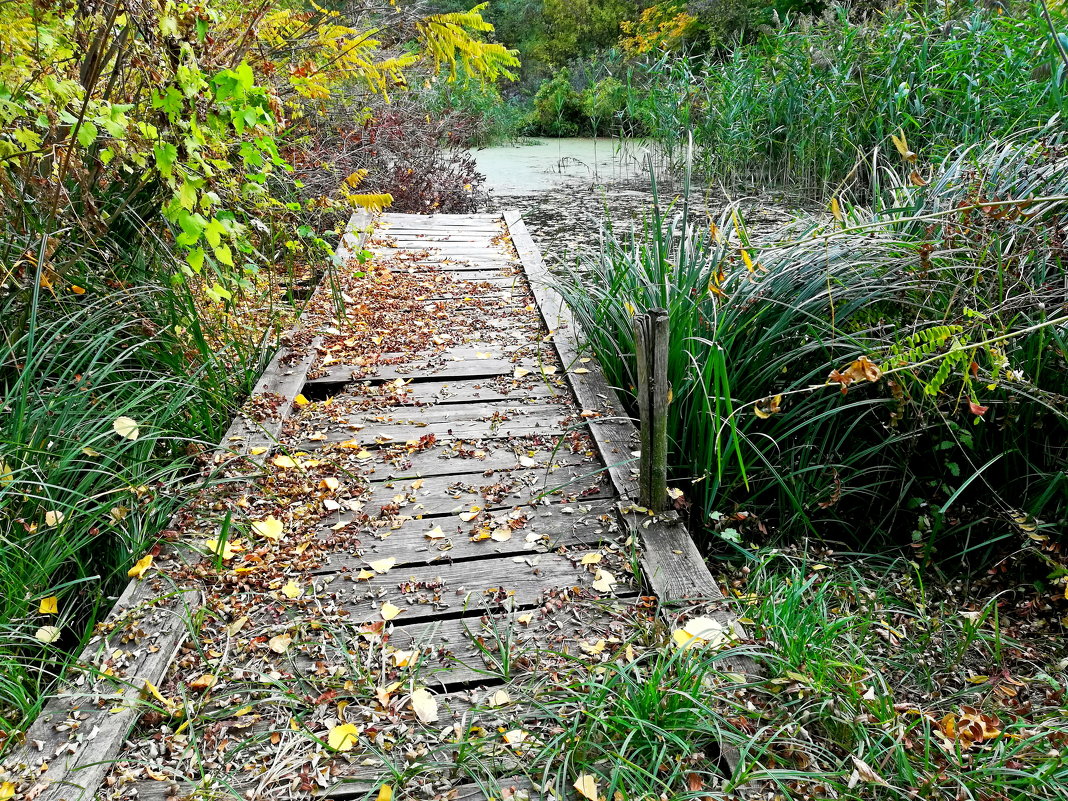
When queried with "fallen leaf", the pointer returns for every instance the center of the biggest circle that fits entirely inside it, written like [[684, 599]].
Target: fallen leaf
[[385, 793], [203, 682], [271, 528], [500, 698], [329, 483], [300, 400], [343, 737], [292, 590], [6, 474], [225, 550], [524, 620], [520, 372], [467, 517], [426, 708], [586, 784], [863, 772], [514, 737], [280, 642], [702, 631], [383, 565], [284, 462], [47, 634], [389, 611], [603, 581], [138, 570], [237, 625], [257, 451], [126, 427], [54, 518], [590, 558], [502, 534], [7, 791], [49, 605], [435, 533]]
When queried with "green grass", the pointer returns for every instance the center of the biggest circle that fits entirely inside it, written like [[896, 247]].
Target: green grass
[[858, 661], [81, 502], [915, 283], [810, 104]]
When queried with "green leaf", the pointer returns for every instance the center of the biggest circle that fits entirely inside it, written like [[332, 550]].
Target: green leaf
[[187, 195], [223, 255], [192, 226], [214, 232], [196, 259], [166, 155]]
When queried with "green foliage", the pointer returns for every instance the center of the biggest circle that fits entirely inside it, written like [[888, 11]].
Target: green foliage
[[951, 299], [811, 103], [558, 107]]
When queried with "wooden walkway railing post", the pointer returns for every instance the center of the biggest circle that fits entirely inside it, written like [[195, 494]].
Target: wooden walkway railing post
[[651, 336]]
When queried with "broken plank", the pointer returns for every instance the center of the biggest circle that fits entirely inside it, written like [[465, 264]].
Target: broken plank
[[440, 591], [546, 528]]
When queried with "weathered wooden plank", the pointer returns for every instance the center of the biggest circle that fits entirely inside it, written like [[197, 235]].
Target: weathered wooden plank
[[438, 591], [546, 528], [365, 435], [670, 560], [457, 460], [420, 371], [448, 494], [431, 393]]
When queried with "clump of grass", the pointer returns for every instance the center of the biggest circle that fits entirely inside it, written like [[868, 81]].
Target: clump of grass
[[871, 686], [955, 300], [82, 497], [809, 104]]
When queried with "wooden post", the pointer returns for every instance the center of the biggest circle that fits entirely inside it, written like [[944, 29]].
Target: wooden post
[[651, 346]]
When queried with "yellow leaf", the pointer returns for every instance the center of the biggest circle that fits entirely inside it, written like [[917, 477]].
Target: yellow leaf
[[283, 461], [237, 625], [227, 550], [126, 427], [49, 605], [515, 737], [138, 570], [836, 210], [53, 518], [77, 290], [383, 565], [900, 143], [47, 634], [467, 517], [280, 642], [389, 611], [435, 533], [258, 451], [203, 682], [424, 705], [385, 793], [292, 589], [590, 559], [520, 372], [364, 455], [524, 620], [343, 737], [300, 400], [603, 581], [7, 791], [586, 784], [271, 528], [364, 575], [6, 475], [329, 483]]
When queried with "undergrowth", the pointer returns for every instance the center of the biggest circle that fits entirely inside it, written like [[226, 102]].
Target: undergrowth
[[777, 429]]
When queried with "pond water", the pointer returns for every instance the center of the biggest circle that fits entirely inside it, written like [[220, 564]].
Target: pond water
[[567, 188]]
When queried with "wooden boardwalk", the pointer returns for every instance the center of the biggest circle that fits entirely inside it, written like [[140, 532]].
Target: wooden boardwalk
[[436, 504]]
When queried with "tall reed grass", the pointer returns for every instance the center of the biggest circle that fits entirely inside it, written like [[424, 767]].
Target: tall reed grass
[[810, 104], [964, 436]]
